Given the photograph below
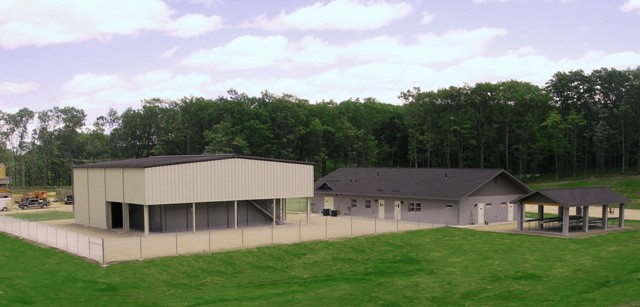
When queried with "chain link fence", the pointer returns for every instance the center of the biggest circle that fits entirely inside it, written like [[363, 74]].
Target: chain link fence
[[62, 239], [116, 247]]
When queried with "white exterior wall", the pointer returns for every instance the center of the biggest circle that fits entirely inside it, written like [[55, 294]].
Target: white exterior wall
[[81, 195], [114, 184], [230, 179], [211, 181], [134, 186], [97, 198]]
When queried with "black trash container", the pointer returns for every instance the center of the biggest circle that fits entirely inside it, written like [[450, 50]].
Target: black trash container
[[326, 212], [334, 212]]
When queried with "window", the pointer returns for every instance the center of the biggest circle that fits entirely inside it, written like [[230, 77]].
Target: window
[[354, 202], [503, 204], [415, 207], [487, 205], [367, 203], [449, 205]]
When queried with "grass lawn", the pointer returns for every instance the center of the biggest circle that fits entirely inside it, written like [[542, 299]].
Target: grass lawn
[[297, 204], [629, 186], [45, 215], [446, 266]]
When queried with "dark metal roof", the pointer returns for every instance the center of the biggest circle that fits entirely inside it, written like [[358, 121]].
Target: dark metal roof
[[574, 197], [432, 183], [173, 160]]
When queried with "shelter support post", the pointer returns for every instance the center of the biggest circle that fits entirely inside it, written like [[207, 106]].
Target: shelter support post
[[540, 216], [565, 221], [193, 216], [585, 218], [621, 216], [146, 220], [284, 209], [308, 211], [235, 214], [520, 219], [125, 217], [560, 211], [605, 217]]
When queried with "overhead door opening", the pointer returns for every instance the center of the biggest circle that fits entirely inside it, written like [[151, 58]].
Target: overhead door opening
[[116, 215]]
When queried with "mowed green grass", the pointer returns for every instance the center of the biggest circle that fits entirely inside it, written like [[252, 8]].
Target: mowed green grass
[[297, 204], [45, 215], [629, 186], [446, 266]]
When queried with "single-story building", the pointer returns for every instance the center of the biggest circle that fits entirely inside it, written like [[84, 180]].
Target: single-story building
[[562, 200], [188, 192], [431, 195]]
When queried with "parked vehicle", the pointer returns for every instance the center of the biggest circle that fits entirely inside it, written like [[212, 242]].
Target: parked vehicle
[[4, 204], [68, 200], [33, 203]]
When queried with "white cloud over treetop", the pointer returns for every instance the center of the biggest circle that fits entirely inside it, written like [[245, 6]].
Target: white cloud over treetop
[[348, 15], [630, 6], [44, 22], [15, 88], [279, 52]]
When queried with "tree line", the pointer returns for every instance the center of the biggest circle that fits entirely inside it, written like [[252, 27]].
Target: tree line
[[577, 122]]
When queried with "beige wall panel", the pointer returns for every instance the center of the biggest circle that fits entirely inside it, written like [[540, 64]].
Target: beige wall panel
[[227, 180], [81, 196], [97, 198], [114, 184], [134, 186]]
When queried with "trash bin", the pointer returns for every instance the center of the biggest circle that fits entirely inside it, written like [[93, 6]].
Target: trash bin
[[326, 212], [335, 212]]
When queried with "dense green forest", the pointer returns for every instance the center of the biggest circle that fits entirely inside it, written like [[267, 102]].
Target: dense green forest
[[578, 122]]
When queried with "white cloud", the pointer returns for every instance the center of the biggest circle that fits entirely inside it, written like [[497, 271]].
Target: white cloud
[[278, 52], [350, 15], [89, 82], [98, 92], [630, 6], [487, 1], [426, 18], [526, 50], [209, 3], [44, 22], [15, 88], [169, 53], [193, 25]]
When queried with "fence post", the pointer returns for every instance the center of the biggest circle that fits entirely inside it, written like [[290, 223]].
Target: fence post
[[176, 243], [272, 230], [375, 225], [326, 235], [300, 230], [209, 239], [102, 240], [352, 225], [140, 237], [242, 243]]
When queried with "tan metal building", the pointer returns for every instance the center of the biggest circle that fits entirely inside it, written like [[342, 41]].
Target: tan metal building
[[189, 192]]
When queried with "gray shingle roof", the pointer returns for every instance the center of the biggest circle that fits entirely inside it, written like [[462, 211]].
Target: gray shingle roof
[[173, 160], [433, 183], [573, 197]]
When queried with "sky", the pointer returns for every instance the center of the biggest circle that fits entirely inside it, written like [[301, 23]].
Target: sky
[[101, 54]]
